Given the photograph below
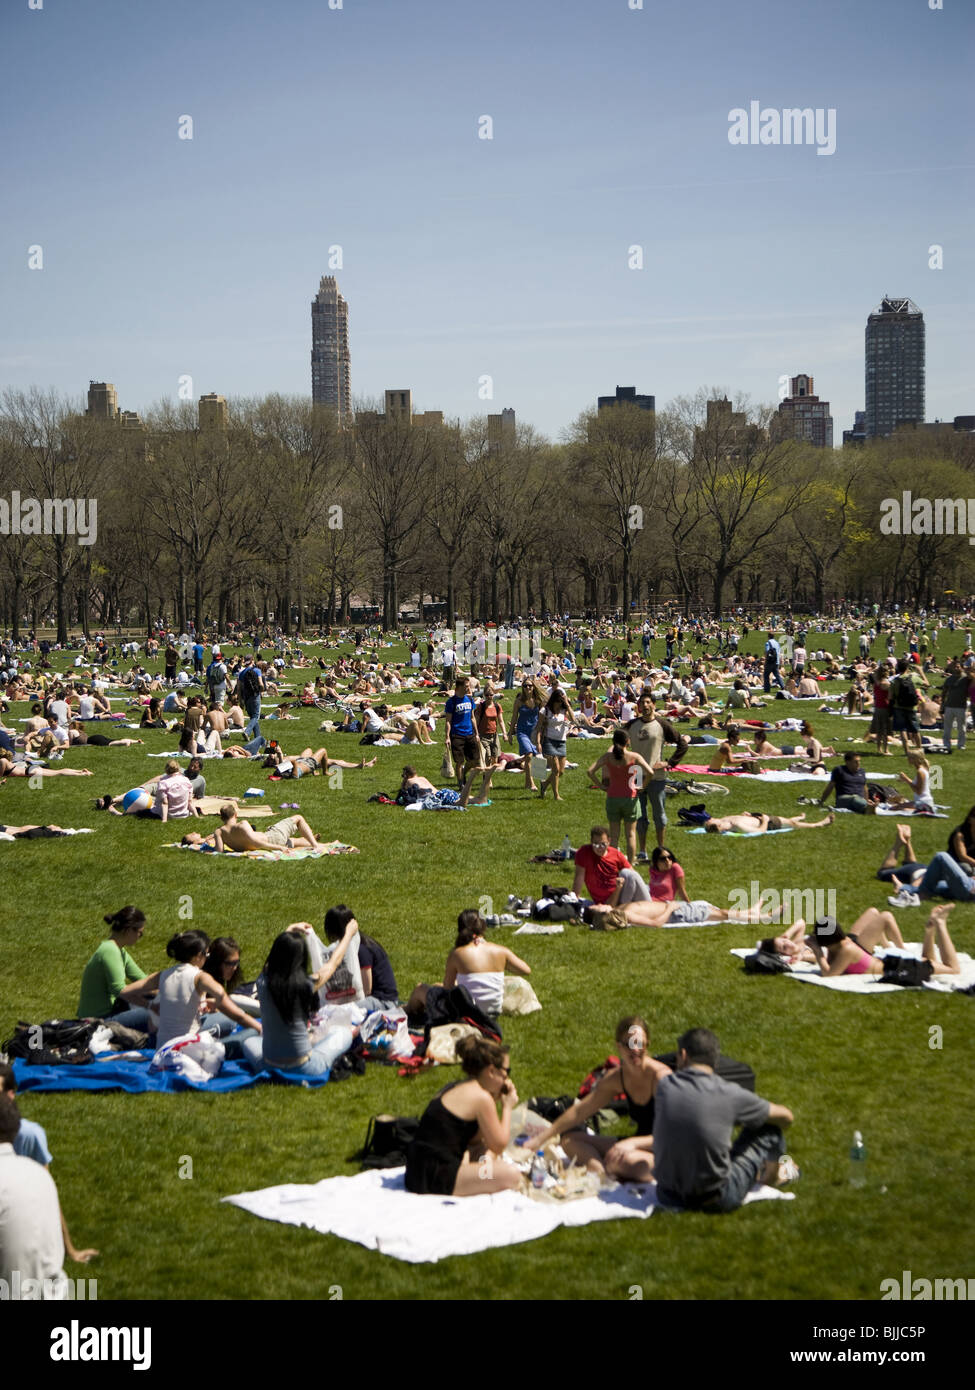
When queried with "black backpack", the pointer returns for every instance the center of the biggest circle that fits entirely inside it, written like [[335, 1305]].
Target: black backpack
[[693, 815], [905, 696], [387, 1139], [248, 682]]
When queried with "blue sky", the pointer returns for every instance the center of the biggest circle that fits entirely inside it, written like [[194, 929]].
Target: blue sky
[[464, 257]]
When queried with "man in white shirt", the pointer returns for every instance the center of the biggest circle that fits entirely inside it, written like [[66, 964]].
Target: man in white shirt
[[31, 1245]]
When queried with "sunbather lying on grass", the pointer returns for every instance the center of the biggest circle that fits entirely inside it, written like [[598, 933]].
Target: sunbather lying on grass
[[294, 832]]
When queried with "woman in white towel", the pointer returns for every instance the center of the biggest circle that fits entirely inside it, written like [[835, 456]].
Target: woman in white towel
[[479, 965]]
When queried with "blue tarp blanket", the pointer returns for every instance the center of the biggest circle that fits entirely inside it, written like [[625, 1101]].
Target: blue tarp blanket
[[131, 1074]]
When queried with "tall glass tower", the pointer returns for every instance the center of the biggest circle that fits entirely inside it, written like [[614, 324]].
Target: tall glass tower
[[894, 366], [330, 369]]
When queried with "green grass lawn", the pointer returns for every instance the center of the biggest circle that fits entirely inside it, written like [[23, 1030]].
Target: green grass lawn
[[840, 1063]]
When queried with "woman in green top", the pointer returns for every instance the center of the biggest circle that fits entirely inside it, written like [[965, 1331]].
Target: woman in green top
[[113, 986]]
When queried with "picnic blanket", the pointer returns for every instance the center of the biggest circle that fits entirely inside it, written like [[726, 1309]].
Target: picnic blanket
[[210, 806], [873, 984], [741, 834], [130, 1072], [375, 1210], [267, 855], [178, 754], [82, 830]]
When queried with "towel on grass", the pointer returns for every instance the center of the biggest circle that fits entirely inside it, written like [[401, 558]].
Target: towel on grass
[[777, 775], [131, 1073], [210, 806], [82, 830], [267, 855], [178, 754], [540, 929], [375, 1210], [874, 984], [741, 834]]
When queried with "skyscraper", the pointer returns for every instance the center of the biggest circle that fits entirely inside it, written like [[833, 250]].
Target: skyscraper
[[330, 369], [894, 366]]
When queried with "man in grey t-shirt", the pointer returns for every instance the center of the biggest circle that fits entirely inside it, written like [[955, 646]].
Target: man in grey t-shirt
[[647, 737], [696, 1165], [954, 703]]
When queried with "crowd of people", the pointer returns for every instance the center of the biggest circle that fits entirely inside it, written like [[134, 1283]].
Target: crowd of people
[[291, 1017]]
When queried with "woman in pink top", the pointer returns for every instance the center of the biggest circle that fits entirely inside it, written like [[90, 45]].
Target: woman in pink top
[[839, 954], [666, 878]]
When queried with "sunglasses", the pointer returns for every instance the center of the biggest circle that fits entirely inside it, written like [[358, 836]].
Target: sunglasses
[[598, 844]]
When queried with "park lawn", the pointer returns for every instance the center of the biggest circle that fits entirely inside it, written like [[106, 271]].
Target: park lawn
[[839, 1063]]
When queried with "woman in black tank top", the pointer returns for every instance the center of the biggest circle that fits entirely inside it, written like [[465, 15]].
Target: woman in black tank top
[[637, 1078], [457, 1149]]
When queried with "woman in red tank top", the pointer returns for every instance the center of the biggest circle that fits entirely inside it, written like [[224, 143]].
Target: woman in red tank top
[[623, 775]]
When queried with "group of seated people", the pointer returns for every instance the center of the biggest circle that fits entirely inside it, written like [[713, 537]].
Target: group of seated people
[[685, 1116]]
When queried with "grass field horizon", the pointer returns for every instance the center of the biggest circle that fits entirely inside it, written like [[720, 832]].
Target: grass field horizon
[[841, 1063]]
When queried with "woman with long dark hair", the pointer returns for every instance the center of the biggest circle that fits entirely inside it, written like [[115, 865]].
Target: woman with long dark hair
[[288, 995]]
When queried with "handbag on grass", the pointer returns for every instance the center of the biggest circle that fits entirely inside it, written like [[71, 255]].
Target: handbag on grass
[[906, 971]]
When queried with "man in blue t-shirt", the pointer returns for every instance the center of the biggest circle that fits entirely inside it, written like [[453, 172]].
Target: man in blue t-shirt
[[460, 736], [771, 672], [199, 651]]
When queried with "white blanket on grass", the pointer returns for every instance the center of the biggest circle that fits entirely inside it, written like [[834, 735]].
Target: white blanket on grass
[[873, 984], [776, 775], [375, 1210], [178, 754], [82, 830]]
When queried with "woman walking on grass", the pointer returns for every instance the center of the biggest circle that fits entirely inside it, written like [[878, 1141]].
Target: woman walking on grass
[[550, 735]]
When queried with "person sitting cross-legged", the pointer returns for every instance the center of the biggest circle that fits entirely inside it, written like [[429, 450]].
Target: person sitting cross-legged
[[696, 1165]]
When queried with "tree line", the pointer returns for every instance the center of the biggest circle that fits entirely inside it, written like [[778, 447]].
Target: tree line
[[284, 512]]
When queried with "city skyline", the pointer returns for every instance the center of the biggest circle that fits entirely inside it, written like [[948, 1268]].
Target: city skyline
[[607, 232]]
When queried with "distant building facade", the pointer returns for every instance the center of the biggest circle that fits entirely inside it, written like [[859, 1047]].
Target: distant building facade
[[501, 431], [399, 406], [802, 415], [858, 434], [626, 395]]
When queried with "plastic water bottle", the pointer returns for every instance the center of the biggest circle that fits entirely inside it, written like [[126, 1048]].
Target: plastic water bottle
[[858, 1161], [538, 1170], [566, 851]]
